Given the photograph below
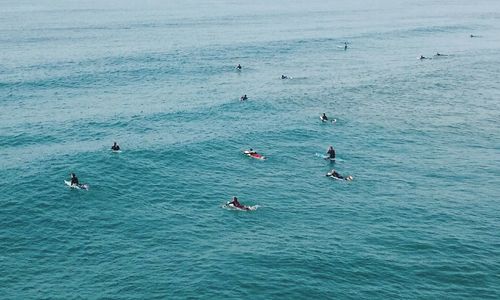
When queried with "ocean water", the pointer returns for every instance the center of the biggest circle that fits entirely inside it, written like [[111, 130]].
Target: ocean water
[[421, 138]]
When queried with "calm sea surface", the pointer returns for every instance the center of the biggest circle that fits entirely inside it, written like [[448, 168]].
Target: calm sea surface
[[421, 220]]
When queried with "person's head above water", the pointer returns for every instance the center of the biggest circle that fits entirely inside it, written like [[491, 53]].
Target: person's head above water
[[73, 175]]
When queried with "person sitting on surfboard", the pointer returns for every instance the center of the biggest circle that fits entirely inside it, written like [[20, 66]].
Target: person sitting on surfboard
[[324, 117], [115, 147], [74, 179], [236, 203], [244, 97], [238, 67], [345, 46], [331, 152]]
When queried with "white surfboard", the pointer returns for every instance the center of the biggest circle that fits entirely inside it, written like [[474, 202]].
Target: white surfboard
[[326, 121], [247, 208], [78, 187]]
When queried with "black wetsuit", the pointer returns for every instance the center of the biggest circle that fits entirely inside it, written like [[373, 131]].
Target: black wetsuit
[[331, 152], [237, 204], [74, 181], [115, 148], [336, 175]]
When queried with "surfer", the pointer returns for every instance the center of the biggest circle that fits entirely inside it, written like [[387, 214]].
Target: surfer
[[422, 57], [284, 77], [238, 67], [74, 179], [250, 151], [324, 117], [243, 98], [115, 147], [331, 152], [473, 36], [335, 174], [236, 203], [345, 46]]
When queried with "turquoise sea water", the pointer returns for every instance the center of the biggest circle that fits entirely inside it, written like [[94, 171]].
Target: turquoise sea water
[[421, 138]]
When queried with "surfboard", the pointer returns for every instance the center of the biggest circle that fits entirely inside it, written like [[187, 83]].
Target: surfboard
[[325, 157], [347, 178], [78, 187], [246, 208], [326, 121], [254, 155]]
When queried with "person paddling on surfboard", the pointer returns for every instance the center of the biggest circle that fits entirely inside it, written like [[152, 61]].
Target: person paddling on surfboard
[[115, 147], [250, 151], [335, 174], [331, 152], [324, 118], [243, 98], [74, 179]]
